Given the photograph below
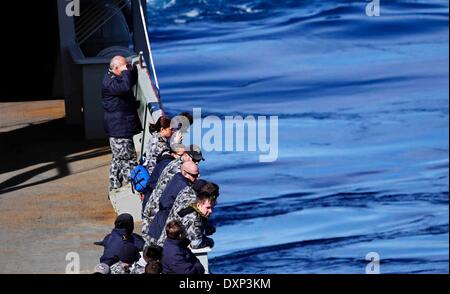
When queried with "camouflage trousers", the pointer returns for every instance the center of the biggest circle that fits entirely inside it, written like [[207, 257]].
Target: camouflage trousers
[[124, 160]]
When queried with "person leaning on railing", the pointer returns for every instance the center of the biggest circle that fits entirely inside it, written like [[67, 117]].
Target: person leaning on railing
[[121, 120]]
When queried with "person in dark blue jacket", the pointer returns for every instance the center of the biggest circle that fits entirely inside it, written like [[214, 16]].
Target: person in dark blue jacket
[[176, 256], [121, 234], [189, 173], [177, 150], [121, 120]]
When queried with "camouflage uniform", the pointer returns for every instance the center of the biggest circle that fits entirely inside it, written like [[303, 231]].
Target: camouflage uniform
[[138, 269], [152, 206], [157, 146], [186, 197], [124, 160], [120, 268], [197, 227]]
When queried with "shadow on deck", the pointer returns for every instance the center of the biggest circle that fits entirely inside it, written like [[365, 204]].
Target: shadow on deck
[[51, 145]]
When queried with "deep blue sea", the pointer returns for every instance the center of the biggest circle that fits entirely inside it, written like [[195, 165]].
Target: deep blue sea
[[363, 116]]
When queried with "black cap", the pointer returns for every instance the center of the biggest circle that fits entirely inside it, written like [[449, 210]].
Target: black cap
[[195, 153], [125, 221]]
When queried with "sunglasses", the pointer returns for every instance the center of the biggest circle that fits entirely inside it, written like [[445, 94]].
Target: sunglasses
[[191, 156]]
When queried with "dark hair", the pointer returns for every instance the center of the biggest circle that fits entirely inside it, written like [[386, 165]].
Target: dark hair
[[163, 122], [203, 196], [183, 121], [188, 115], [198, 185], [152, 253], [175, 230], [153, 267], [211, 189]]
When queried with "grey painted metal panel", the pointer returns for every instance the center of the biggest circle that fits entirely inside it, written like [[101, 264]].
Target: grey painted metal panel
[[124, 201], [145, 95], [72, 82]]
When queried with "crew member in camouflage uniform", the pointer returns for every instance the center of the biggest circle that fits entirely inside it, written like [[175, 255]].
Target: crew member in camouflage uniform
[[159, 142], [121, 120], [189, 173], [186, 198], [178, 150], [152, 207], [195, 219], [163, 135]]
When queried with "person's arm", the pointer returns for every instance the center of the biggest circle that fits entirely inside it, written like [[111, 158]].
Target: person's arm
[[149, 209], [161, 149], [104, 241], [134, 75], [194, 232], [187, 264], [202, 243], [138, 241], [210, 228], [147, 216], [120, 85]]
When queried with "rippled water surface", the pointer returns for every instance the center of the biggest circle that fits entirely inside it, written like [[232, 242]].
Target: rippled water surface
[[363, 128]]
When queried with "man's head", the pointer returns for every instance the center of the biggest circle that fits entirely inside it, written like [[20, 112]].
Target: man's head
[[194, 154], [198, 185], [175, 230], [125, 221], [164, 127], [189, 170], [205, 203], [186, 157], [202, 186], [153, 267], [117, 65], [152, 253], [211, 189]]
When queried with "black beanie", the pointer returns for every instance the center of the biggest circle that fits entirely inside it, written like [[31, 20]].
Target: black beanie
[[125, 221]]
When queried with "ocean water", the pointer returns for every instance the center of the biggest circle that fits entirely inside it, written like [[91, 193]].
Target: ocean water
[[362, 104]]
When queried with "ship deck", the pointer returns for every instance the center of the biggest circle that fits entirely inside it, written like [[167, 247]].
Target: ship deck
[[53, 190]]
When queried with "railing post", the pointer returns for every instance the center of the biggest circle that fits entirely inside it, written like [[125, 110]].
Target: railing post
[[202, 255]]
